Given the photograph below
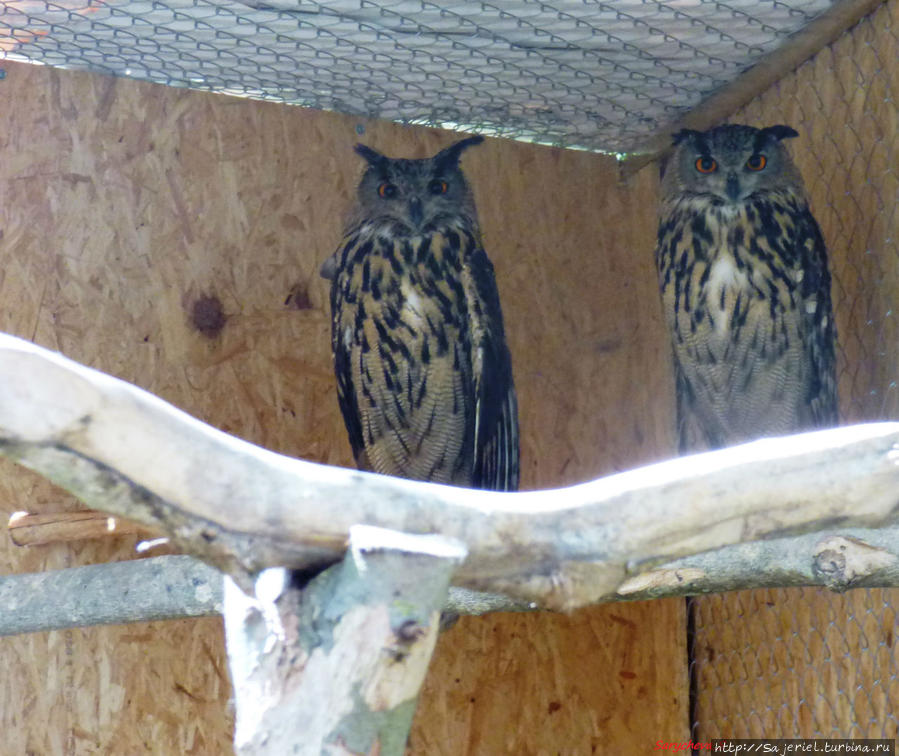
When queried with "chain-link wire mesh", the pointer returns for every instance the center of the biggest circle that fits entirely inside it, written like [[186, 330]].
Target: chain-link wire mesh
[[806, 662], [597, 75], [796, 663]]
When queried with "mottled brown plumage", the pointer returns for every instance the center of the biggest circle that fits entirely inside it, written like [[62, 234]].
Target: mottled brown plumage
[[745, 288], [424, 375]]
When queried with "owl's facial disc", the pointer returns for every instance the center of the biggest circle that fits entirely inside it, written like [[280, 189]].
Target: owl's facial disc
[[733, 164], [406, 197]]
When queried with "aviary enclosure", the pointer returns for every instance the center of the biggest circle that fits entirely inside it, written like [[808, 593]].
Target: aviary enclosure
[[172, 238]]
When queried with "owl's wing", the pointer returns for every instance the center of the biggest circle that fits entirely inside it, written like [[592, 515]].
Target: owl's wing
[[496, 442], [690, 433], [346, 393], [819, 330]]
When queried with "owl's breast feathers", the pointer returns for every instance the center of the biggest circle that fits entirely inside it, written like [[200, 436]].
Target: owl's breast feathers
[[424, 375], [746, 291]]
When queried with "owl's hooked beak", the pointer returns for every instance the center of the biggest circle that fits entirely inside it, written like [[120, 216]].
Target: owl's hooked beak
[[415, 212], [732, 187]]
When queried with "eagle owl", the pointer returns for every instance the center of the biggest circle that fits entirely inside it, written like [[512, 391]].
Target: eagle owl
[[424, 376], [745, 288]]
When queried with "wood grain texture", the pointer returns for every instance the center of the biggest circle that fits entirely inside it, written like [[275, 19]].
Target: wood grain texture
[[173, 238], [42, 529], [805, 662], [594, 682]]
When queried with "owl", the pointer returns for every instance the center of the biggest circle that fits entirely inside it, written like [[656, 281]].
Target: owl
[[745, 288], [424, 376]]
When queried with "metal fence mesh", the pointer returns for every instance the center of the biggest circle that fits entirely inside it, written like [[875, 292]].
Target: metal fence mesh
[[806, 662], [796, 663], [605, 76], [598, 75]]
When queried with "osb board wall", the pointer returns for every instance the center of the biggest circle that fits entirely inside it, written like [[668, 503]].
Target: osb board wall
[[806, 662], [123, 204]]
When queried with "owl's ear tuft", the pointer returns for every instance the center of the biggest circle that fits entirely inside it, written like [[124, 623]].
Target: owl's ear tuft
[[373, 157], [663, 165], [683, 135], [449, 157], [781, 132]]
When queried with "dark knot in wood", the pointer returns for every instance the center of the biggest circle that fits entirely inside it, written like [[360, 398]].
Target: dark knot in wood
[[830, 565]]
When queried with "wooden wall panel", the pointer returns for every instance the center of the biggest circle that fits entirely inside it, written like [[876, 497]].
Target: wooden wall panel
[[805, 662], [127, 208]]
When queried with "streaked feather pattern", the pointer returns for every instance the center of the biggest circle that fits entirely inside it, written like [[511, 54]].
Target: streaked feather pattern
[[746, 292], [424, 375]]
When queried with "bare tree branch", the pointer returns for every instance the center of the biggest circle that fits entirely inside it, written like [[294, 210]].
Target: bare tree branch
[[159, 588], [175, 587], [244, 509], [29, 529], [337, 666], [835, 559], [147, 590]]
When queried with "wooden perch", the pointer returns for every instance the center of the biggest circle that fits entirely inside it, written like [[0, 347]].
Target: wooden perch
[[27, 529], [173, 587], [245, 509], [147, 590], [160, 588], [335, 667]]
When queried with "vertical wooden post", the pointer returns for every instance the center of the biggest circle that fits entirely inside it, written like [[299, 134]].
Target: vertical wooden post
[[336, 665]]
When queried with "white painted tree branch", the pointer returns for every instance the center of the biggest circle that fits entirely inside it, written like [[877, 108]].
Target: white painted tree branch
[[244, 509], [336, 667]]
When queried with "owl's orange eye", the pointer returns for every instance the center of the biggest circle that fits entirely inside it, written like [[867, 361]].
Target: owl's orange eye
[[757, 162], [706, 164], [387, 190], [438, 187]]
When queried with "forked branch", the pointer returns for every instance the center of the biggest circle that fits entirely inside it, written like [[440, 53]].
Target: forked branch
[[244, 509]]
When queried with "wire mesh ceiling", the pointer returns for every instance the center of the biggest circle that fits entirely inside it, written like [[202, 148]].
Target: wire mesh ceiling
[[596, 75]]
